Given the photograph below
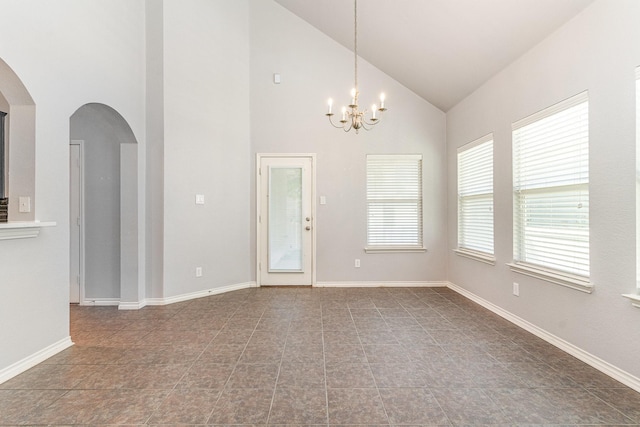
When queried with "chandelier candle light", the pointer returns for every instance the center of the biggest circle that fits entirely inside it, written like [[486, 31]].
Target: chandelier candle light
[[352, 117]]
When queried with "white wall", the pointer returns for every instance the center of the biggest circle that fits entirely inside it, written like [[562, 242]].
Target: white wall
[[206, 144], [86, 51], [597, 51], [289, 118]]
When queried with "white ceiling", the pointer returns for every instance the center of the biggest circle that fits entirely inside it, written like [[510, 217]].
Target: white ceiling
[[441, 49]]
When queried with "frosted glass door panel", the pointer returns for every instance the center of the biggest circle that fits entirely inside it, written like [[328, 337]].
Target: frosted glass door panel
[[285, 219]]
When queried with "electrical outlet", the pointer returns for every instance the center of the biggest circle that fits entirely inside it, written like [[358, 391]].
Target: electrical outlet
[[24, 204], [357, 263], [516, 289], [198, 271]]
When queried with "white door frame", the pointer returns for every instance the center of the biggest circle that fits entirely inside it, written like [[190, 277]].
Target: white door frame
[[81, 227], [259, 225]]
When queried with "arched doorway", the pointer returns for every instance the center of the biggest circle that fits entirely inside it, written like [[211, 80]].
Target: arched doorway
[[18, 167], [104, 230]]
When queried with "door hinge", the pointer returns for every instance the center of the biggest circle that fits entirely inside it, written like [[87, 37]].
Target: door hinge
[[78, 221], [77, 280], [259, 266]]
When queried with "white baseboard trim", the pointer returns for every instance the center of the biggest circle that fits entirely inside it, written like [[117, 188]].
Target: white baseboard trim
[[101, 302], [588, 358], [31, 361], [418, 284], [199, 294], [131, 305]]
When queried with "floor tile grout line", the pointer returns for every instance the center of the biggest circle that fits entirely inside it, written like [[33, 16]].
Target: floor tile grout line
[[324, 366], [223, 388], [384, 407], [187, 371], [610, 405], [275, 386]]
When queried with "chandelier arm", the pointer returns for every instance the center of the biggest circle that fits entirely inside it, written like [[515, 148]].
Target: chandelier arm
[[333, 124]]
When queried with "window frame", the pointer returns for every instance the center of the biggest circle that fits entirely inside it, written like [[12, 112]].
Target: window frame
[[482, 177], [376, 196], [635, 297], [551, 190]]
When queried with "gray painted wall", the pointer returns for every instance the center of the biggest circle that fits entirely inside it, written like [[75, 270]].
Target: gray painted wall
[[597, 51], [289, 118], [206, 144]]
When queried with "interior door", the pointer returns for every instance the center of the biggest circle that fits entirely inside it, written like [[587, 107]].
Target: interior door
[[75, 211], [286, 226]]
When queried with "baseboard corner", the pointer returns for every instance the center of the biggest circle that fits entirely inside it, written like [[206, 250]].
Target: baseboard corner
[[588, 358], [34, 359]]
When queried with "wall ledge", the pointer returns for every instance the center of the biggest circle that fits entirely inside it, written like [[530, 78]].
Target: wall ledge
[[635, 299], [22, 229], [563, 279], [588, 358], [477, 256]]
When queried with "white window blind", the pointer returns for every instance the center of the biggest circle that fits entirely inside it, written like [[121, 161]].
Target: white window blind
[[551, 188], [394, 202], [475, 196]]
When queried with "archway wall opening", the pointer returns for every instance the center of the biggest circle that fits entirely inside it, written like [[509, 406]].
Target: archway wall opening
[[109, 197], [19, 162]]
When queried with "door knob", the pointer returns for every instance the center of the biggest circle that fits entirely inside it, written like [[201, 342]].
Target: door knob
[[307, 228], [308, 219]]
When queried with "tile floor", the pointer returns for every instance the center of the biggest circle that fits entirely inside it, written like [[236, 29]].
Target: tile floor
[[297, 356]]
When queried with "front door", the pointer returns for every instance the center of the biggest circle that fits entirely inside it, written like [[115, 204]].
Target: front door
[[285, 220]]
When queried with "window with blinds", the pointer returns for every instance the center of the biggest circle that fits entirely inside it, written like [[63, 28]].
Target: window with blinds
[[551, 192], [394, 202], [475, 199]]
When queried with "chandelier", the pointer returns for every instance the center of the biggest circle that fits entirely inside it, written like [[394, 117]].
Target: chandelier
[[352, 117]]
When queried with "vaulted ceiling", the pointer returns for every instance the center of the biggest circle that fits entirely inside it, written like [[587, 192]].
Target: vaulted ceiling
[[441, 49]]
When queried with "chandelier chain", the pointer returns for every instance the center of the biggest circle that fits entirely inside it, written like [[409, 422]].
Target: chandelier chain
[[355, 42], [352, 116]]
